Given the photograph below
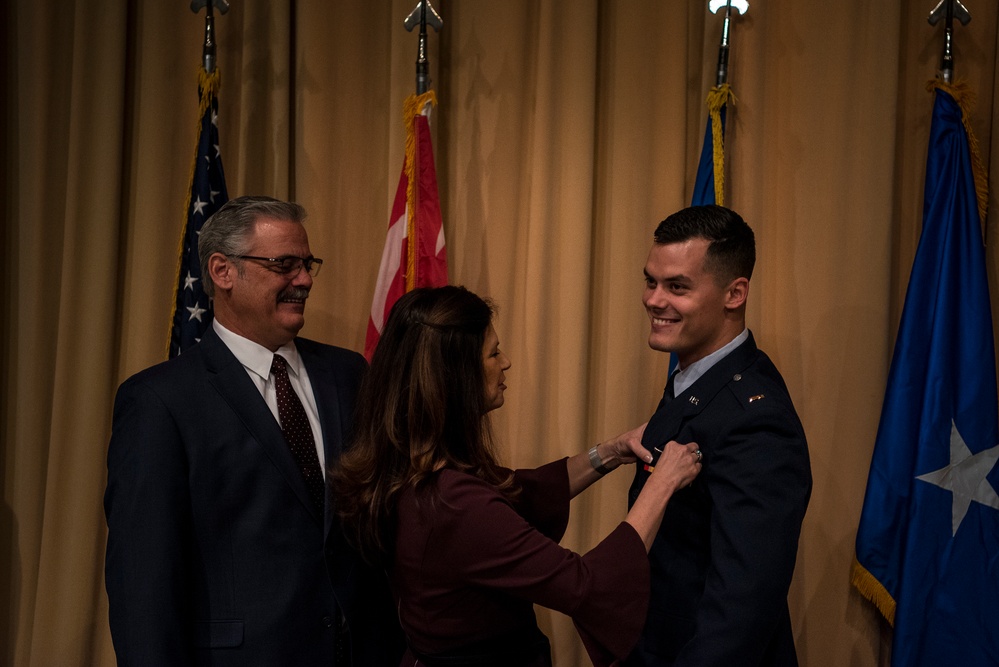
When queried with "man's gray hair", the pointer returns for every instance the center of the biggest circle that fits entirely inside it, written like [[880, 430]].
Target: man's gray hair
[[228, 231]]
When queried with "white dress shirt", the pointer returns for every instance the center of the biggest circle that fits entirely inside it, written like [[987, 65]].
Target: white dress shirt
[[257, 360]]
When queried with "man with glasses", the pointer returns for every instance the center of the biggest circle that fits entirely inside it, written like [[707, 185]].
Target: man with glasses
[[222, 547]]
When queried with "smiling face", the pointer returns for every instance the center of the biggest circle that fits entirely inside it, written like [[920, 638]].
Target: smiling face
[[692, 313], [253, 298], [494, 366]]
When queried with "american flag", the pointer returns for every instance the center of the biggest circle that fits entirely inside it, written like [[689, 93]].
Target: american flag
[[192, 312]]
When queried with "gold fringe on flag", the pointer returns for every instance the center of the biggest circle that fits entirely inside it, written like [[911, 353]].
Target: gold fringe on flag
[[871, 588], [411, 108], [718, 97], [965, 98], [209, 85]]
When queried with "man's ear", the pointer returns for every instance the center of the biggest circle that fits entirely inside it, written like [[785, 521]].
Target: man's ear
[[737, 293], [220, 271]]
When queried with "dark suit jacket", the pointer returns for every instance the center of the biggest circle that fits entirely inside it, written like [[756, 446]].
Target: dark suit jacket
[[723, 558], [215, 553]]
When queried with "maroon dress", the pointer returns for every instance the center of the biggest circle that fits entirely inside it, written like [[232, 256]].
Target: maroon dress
[[469, 567]]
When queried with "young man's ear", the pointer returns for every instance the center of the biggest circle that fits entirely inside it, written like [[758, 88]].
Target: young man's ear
[[220, 271], [738, 292]]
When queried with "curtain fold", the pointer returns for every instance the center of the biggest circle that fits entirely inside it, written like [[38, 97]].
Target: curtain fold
[[564, 133]]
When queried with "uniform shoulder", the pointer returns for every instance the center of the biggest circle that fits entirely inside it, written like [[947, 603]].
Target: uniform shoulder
[[759, 383]]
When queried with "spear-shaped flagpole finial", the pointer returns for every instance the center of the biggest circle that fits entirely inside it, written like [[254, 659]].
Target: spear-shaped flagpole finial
[[424, 14], [949, 10], [208, 52], [741, 6]]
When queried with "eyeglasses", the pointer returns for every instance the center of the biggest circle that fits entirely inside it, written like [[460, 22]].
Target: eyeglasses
[[289, 264]]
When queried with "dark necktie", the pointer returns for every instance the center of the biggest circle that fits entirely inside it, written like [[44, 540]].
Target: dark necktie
[[298, 432], [668, 394]]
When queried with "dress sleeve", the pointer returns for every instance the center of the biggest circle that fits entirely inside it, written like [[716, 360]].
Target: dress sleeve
[[605, 591], [544, 498]]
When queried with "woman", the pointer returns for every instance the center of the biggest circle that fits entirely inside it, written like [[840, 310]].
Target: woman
[[469, 546]]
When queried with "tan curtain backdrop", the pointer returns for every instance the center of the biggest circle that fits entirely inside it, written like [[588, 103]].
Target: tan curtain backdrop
[[565, 132]]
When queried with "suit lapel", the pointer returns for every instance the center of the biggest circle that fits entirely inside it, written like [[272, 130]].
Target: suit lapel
[[670, 416], [229, 378]]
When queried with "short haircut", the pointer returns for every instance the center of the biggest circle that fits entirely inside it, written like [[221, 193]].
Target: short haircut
[[228, 231], [732, 250]]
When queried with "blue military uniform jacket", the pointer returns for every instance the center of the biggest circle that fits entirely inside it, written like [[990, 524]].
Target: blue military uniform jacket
[[723, 559]]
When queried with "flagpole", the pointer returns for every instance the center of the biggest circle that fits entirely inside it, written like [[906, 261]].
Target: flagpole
[[722, 75], [948, 10], [208, 51], [741, 6], [713, 155], [422, 15]]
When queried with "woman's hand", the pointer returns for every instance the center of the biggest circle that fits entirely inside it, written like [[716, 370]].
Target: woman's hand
[[625, 448], [678, 465], [676, 468], [587, 467]]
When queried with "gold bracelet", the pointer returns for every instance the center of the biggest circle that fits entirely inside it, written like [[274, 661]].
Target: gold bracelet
[[596, 462]]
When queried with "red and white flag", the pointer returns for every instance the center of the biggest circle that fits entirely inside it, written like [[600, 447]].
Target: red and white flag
[[414, 254]]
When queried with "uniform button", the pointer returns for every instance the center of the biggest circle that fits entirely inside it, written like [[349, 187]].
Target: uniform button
[[327, 621], [737, 377]]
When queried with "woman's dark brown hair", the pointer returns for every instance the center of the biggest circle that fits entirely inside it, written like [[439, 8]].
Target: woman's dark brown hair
[[421, 408]]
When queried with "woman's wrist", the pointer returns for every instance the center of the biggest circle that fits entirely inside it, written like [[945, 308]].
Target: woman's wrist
[[597, 461]]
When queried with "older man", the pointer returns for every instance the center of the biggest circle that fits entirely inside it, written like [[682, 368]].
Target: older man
[[222, 548]]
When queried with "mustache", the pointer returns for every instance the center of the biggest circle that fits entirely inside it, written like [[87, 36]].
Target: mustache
[[294, 294]]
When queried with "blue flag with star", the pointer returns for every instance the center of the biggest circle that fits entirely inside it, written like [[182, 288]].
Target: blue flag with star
[[928, 541], [192, 308]]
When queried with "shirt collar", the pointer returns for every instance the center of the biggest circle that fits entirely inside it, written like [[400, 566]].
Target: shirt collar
[[692, 373], [256, 358]]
